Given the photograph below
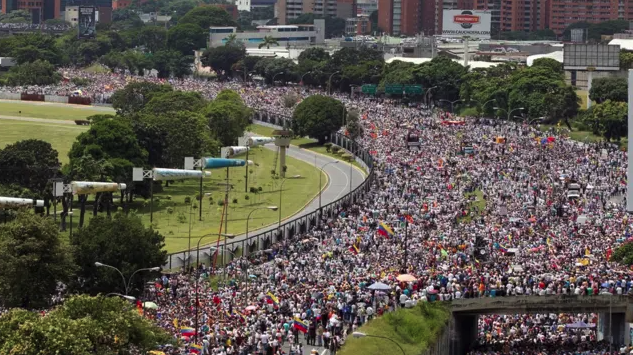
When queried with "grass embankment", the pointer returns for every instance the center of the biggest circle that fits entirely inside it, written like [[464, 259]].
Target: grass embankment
[[303, 143], [476, 205], [414, 329], [53, 111], [172, 214], [60, 136]]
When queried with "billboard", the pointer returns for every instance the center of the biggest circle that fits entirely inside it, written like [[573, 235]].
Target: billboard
[[591, 57], [90, 187], [86, 22], [216, 163], [466, 23], [178, 174]]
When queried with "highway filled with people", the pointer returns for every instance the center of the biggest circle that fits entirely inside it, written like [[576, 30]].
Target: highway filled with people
[[481, 208]]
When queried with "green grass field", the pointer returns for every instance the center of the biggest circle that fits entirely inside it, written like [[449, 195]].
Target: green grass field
[[304, 143], [50, 111], [61, 137], [414, 329], [475, 207], [172, 214]]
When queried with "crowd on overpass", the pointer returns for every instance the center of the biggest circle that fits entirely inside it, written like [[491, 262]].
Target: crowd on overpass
[[477, 216]]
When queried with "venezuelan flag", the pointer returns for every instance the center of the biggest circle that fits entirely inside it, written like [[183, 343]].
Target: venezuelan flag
[[187, 332], [301, 325], [195, 348], [241, 316], [385, 230], [354, 249], [272, 299]]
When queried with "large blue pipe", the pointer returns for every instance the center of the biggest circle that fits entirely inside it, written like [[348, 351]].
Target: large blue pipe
[[216, 163]]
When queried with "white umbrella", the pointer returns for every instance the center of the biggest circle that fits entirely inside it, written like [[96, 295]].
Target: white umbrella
[[379, 286]]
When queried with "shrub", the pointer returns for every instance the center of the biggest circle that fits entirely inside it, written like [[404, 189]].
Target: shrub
[[188, 199], [182, 218], [260, 189], [347, 157], [328, 146], [170, 210], [247, 197], [168, 197], [253, 190], [234, 200], [220, 202], [335, 149], [290, 100]]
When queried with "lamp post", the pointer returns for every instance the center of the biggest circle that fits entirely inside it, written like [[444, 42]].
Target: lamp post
[[281, 189], [363, 335], [190, 213], [320, 178], [510, 112], [530, 121], [308, 72], [129, 298], [426, 95], [272, 208], [196, 281], [329, 85], [485, 103], [274, 76], [126, 284], [452, 103]]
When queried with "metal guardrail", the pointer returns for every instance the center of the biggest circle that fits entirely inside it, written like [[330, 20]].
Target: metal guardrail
[[296, 226]]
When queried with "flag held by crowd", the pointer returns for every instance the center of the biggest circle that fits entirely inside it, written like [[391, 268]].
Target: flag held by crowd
[[385, 230], [187, 332], [195, 349], [272, 299], [301, 325]]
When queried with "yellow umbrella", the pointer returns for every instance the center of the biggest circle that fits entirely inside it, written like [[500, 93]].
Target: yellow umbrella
[[406, 278]]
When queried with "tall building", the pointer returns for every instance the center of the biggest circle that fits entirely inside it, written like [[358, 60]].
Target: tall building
[[563, 13], [286, 10], [400, 17], [48, 9]]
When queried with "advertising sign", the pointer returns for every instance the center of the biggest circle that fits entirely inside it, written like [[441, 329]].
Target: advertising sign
[[216, 163], [161, 174], [90, 187], [12, 202], [466, 23], [233, 151], [591, 57], [87, 22]]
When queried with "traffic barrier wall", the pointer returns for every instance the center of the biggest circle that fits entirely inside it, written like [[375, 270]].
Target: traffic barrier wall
[[79, 100], [56, 98], [31, 97], [9, 96]]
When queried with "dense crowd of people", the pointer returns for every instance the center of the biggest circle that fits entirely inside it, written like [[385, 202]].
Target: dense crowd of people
[[20, 26], [487, 211]]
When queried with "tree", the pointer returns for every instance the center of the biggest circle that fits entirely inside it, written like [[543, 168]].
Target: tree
[[315, 54], [38, 72], [99, 325], [133, 97], [623, 254], [32, 261], [30, 164], [318, 116], [172, 63], [175, 101], [354, 128], [185, 38], [444, 74], [121, 241], [553, 64], [228, 117], [268, 41], [207, 16], [283, 69], [153, 38], [613, 88], [626, 60], [221, 59], [26, 48], [609, 120]]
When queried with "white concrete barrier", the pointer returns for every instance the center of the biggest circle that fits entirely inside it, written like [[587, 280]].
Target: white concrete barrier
[[55, 98], [9, 96]]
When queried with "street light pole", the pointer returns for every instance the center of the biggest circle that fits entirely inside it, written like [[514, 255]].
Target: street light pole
[[516, 109], [272, 208], [274, 76], [452, 104], [363, 335], [329, 85], [308, 72], [126, 284], [281, 189], [426, 95]]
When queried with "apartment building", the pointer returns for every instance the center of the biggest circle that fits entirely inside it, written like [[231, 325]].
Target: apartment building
[[286, 10]]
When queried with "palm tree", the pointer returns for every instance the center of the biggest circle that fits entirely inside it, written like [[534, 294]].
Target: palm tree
[[231, 39], [268, 41]]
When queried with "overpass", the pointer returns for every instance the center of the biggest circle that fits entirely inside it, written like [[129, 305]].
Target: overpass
[[460, 334]]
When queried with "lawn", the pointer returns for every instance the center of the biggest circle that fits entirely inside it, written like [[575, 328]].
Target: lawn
[[577, 135], [50, 111], [304, 143], [172, 214], [414, 329], [60, 136], [476, 205]]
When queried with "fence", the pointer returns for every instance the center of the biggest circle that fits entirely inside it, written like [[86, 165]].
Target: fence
[[295, 226]]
